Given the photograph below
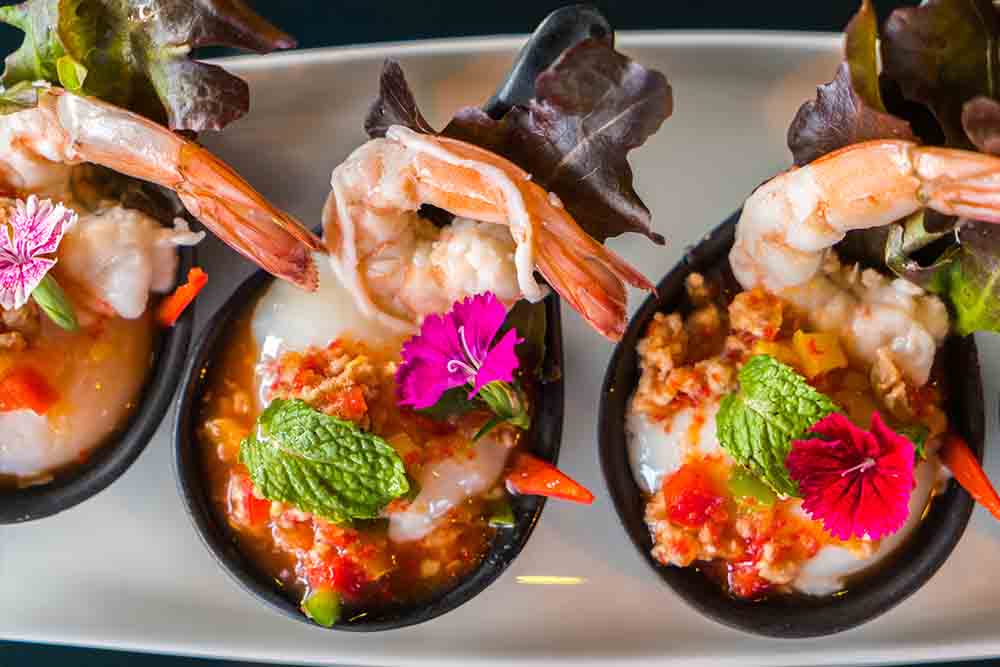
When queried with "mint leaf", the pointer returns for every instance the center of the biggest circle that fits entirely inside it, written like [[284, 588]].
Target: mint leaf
[[321, 464], [773, 407]]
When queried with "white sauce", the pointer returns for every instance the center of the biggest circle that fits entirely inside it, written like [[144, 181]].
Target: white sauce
[[655, 452], [444, 485], [93, 403], [287, 318]]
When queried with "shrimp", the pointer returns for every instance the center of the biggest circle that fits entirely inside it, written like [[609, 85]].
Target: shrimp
[[789, 225], [39, 146], [400, 267]]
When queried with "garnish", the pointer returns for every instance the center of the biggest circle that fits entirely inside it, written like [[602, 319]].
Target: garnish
[[964, 465], [591, 107], [461, 350], [137, 55], [321, 464], [530, 476], [757, 424], [27, 247], [53, 301], [501, 514], [849, 109], [856, 482], [742, 484], [174, 305], [24, 388], [938, 84], [322, 606], [917, 434], [691, 497]]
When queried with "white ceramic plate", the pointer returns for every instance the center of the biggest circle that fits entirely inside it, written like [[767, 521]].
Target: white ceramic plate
[[126, 570]]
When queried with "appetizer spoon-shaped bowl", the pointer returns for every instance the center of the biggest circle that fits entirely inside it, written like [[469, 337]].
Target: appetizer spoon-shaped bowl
[[111, 459], [785, 616], [543, 440], [560, 30]]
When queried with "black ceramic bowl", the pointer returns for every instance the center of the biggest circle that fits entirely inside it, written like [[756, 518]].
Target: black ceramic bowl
[[543, 440], [785, 616], [109, 461], [559, 31]]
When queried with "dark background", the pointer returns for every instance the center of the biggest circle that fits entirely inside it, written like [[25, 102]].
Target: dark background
[[317, 23]]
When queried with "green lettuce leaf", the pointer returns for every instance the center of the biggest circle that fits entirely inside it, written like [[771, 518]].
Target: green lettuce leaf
[[321, 464], [967, 274], [757, 424], [137, 55]]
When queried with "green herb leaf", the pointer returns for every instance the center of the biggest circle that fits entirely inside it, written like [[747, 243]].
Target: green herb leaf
[[773, 407], [53, 301], [137, 55], [508, 402], [917, 434], [321, 464]]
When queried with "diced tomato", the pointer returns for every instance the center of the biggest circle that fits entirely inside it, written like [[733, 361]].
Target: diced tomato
[[246, 508], [174, 305], [745, 581], [24, 388], [531, 476], [351, 404], [691, 496], [340, 574]]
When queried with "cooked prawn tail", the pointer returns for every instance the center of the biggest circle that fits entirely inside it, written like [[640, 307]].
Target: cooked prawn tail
[[588, 285], [211, 190]]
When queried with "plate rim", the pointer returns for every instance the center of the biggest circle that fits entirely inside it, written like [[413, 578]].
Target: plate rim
[[763, 39]]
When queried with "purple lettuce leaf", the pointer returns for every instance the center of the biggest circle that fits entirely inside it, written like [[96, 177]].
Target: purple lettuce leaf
[[942, 54], [981, 122], [593, 106], [849, 109], [395, 105]]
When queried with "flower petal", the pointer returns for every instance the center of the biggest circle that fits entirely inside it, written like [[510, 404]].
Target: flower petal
[[855, 482], [482, 316], [500, 362], [34, 231], [424, 376]]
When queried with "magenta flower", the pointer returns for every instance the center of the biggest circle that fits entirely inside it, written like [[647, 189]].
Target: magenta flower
[[27, 243], [855, 482], [457, 349]]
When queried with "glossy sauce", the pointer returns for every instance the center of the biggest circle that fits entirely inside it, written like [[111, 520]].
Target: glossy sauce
[[300, 552]]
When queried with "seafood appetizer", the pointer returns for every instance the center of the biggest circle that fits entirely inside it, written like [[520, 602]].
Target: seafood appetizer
[[367, 444], [84, 263], [790, 429]]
